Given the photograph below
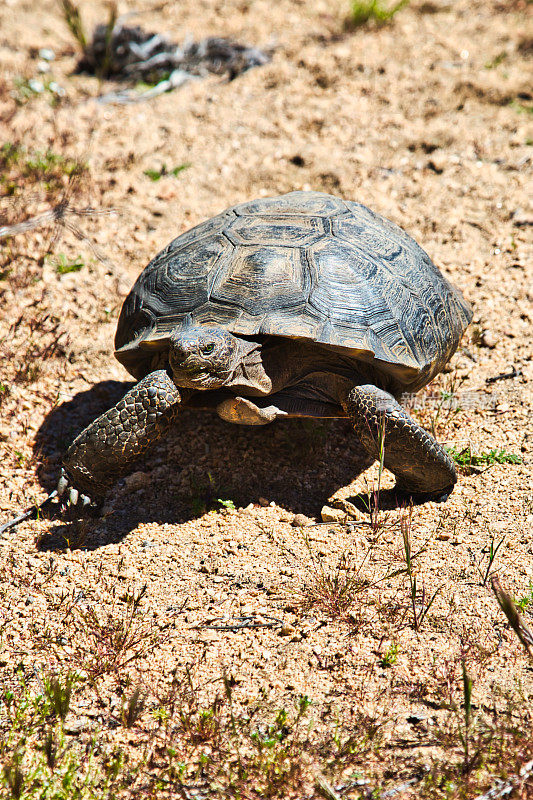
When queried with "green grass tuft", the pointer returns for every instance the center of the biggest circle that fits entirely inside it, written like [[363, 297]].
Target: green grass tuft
[[466, 458], [65, 265], [156, 174], [363, 11]]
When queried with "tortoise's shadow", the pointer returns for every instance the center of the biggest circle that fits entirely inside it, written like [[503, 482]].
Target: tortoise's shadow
[[203, 464]]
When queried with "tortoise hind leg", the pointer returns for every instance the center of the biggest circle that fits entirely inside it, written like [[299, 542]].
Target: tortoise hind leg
[[108, 447], [421, 465]]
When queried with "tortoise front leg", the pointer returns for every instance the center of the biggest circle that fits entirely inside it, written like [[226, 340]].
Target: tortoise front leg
[[107, 448], [421, 465]]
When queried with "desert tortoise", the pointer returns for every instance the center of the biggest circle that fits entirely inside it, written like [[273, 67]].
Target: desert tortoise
[[298, 305]]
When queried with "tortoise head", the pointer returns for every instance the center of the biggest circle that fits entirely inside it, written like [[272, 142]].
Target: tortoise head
[[202, 357]]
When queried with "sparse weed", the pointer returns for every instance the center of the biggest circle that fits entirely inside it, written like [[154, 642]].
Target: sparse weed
[[521, 107], [527, 599], [363, 734], [156, 174], [497, 60], [103, 640], [333, 590], [254, 753], [390, 656], [133, 707], [444, 405], [467, 459], [377, 11], [64, 265], [491, 556], [116, 637], [515, 619], [228, 504], [59, 693], [19, 166]]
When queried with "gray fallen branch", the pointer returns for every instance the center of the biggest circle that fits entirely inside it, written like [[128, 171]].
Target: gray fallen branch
[[238, 623], [129, 53]]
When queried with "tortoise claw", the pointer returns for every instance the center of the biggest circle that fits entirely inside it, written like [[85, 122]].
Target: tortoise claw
[[73, 500], [62, 483]]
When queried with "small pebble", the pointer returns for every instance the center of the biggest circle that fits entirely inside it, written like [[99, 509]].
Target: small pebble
[[287, 630], [46, 54], [489, 339], [75, 726], [301, 521], [36, 85], [332, 514]]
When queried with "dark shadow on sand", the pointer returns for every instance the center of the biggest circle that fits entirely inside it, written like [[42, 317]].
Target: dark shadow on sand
[[297, 464]]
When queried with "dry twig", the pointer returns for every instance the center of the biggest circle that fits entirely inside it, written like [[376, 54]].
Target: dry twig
[[516, 621]]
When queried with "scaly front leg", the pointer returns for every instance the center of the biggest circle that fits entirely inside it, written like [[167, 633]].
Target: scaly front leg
[[108, 447], [421, 464]]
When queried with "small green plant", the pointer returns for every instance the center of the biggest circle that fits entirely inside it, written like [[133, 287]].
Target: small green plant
[[59, 692], [106, 65], [527, 599], [363, 11], [466, 458], [133, 707], [521, 108], [37, 761], [20, 457], [64, 265], [156, 174], [19, 165], [390, 656], [229, 504], [497, 60], [492, 553], [204, 497]]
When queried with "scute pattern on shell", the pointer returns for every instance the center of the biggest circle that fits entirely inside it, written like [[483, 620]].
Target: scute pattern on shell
[[303, 265]]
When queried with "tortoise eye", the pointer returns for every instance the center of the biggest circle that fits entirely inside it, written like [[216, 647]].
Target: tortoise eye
[[208, 348]]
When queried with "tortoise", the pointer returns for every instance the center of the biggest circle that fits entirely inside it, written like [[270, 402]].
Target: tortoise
[[302, 305]]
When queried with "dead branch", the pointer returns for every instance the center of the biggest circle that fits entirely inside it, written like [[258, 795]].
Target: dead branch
[[55, 215]]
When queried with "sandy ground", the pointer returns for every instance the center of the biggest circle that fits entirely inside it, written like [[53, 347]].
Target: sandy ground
[[426, 120]]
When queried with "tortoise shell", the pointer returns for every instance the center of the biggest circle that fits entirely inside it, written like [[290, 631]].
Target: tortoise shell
[[304, 265]]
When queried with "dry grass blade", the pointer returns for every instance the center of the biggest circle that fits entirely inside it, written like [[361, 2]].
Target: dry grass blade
[[514, 617], [56, 214], [72, 17], [325, 789]]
